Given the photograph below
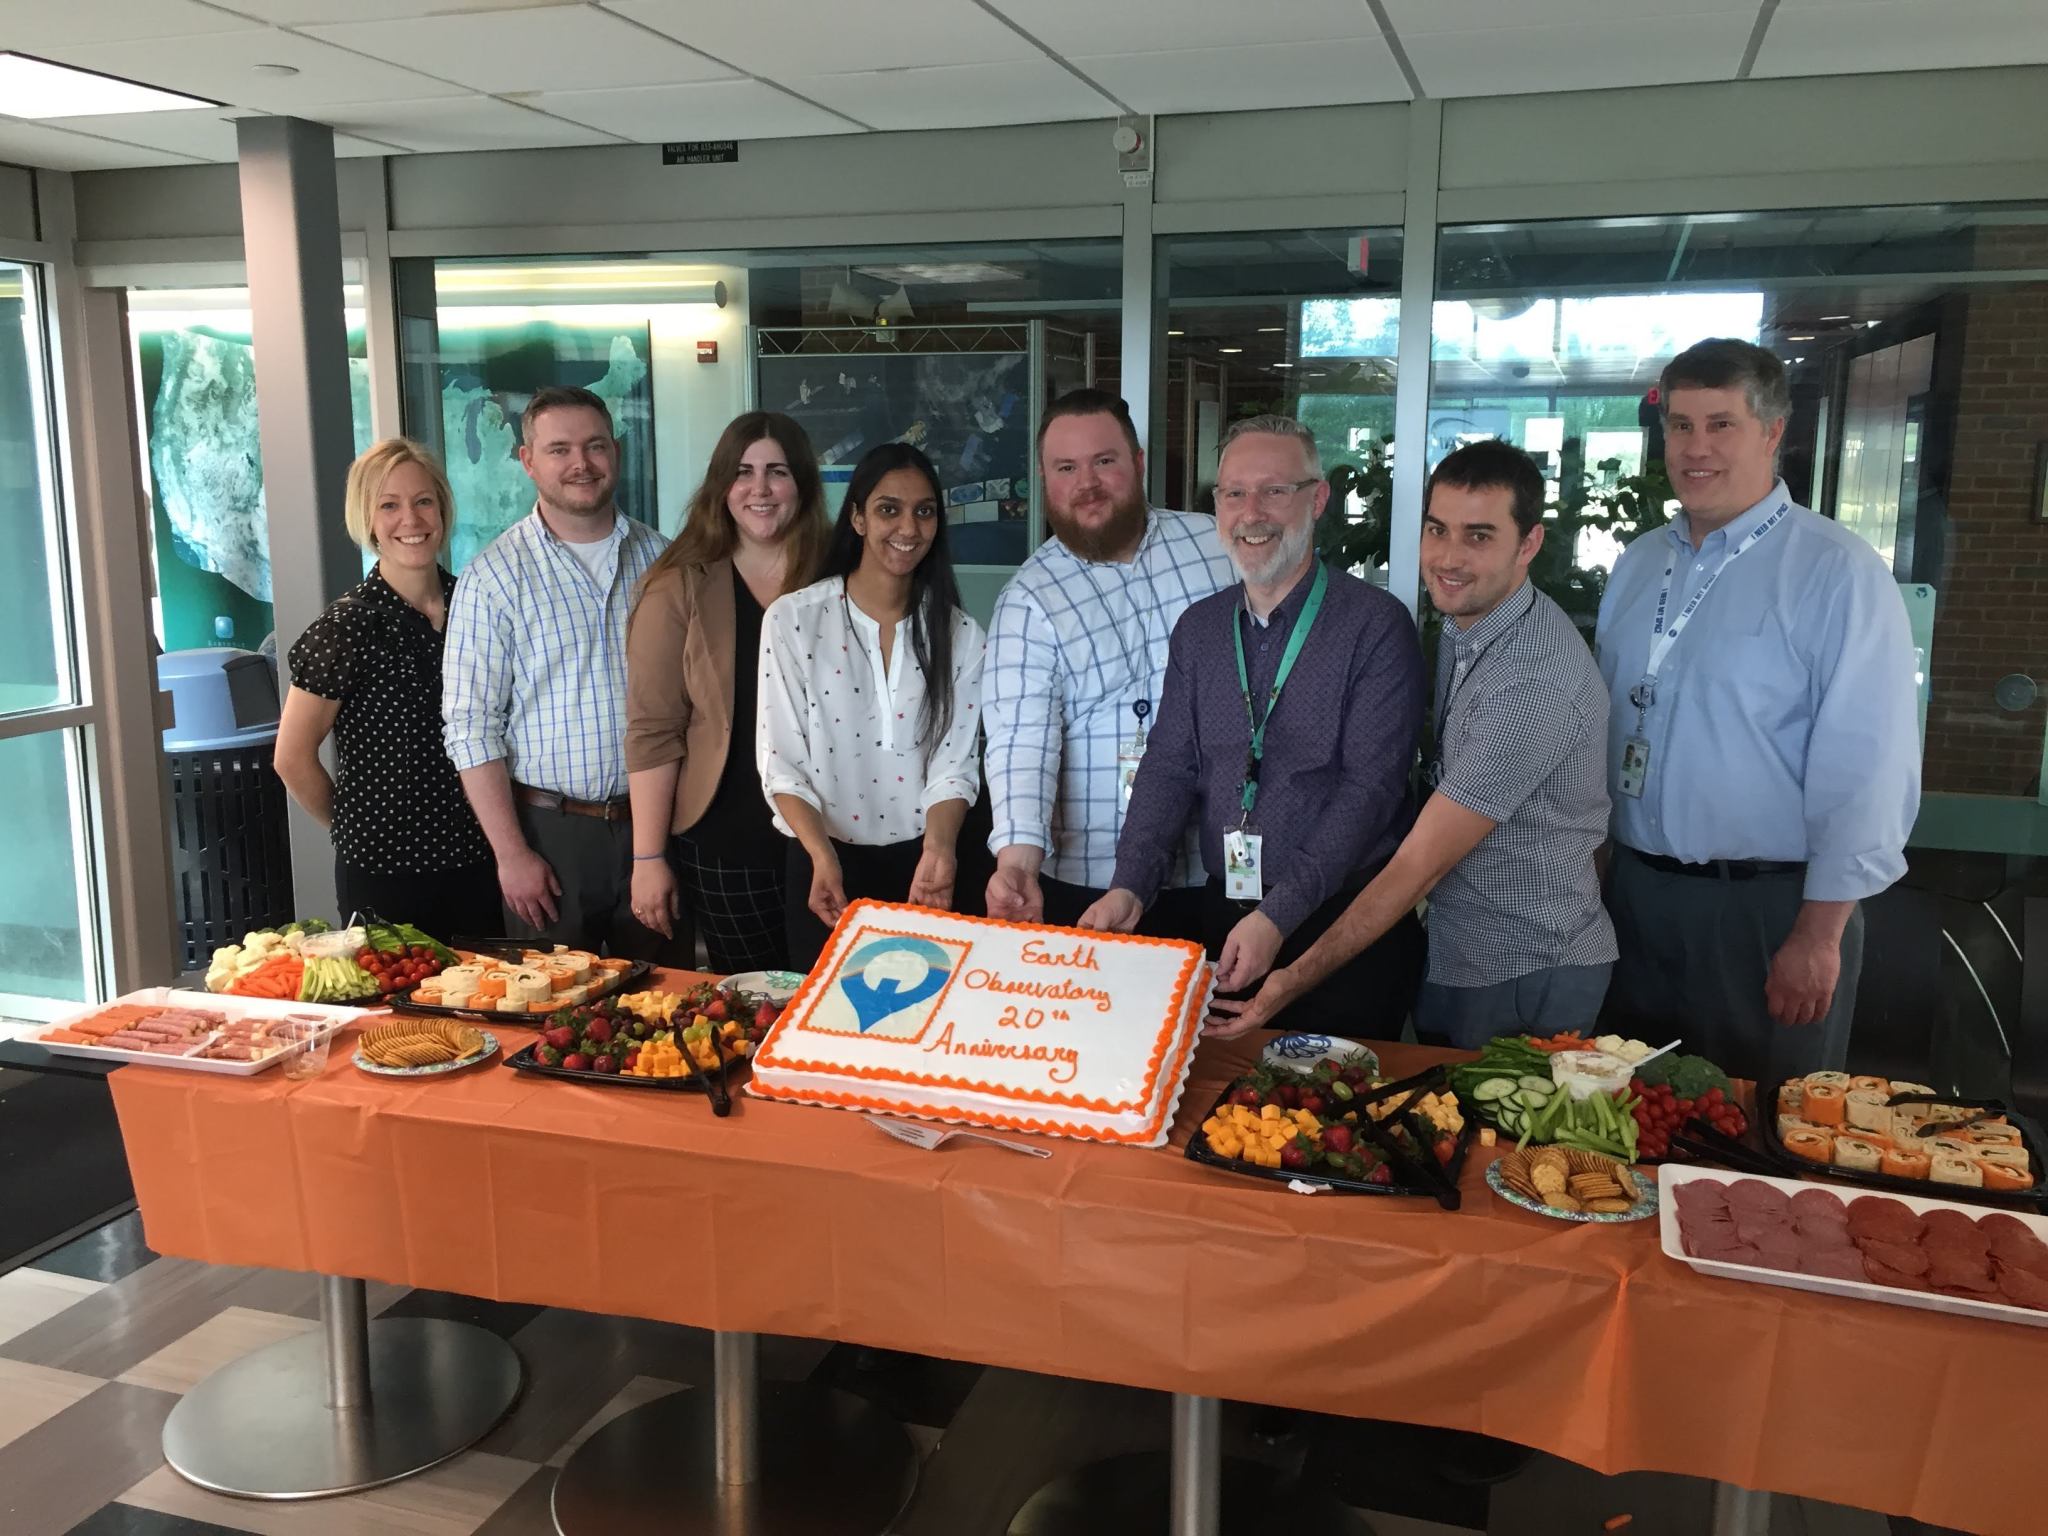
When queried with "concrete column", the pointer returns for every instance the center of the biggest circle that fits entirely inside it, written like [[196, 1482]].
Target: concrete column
[[1411, 396], [291, 237]]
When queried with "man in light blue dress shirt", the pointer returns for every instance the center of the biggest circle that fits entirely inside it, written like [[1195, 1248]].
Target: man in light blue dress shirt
[[1763, 753]]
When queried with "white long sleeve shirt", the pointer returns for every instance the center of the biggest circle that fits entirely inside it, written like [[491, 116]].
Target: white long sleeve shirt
[[838, 729]]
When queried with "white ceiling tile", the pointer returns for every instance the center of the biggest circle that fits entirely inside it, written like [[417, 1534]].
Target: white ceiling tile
[[447, 124], [33, 28], [300, 13], [1508, 61], [562, 48], [958, 96], [1419, 16], [1808, 37], [718, 109], [777, 38], [221, 67], [57, 149], [1343, 70], [206, 135], [1075, 27]]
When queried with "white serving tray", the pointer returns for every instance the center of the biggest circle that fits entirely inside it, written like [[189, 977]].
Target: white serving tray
[[340, 1017], [1671, 1176]]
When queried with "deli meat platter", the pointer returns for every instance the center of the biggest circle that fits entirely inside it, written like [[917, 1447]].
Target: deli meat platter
[[1906, 1250], [223, 1034]]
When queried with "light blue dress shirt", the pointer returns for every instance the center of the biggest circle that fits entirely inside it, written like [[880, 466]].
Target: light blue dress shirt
[[535, 666], [1785, 719]]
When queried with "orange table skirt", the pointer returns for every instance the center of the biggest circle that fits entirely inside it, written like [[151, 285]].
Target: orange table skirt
[[1107, 1263]]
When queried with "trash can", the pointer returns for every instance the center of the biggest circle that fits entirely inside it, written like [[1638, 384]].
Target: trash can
[[231, 861]]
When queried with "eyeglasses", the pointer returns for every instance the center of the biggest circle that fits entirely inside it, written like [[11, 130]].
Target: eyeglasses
[[1271, 497]]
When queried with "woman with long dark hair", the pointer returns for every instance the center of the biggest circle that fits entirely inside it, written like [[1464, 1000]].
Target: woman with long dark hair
[[871, 706], [703, 840]]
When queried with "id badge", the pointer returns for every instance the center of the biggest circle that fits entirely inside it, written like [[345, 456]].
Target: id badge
[[1128, 756], [1242, 879], [1635, 767]]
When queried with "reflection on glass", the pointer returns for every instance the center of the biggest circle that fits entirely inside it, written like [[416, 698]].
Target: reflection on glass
[[195, 370], [42, 945], [35, 667], [1911, 337], [1301, 323]]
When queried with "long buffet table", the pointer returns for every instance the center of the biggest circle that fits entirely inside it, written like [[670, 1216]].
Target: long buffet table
[[1136, 1267]]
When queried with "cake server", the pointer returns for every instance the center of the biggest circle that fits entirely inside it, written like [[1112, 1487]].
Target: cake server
[[931, 1138]]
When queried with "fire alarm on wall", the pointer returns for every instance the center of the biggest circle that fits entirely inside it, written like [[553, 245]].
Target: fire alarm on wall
[[707, 351]]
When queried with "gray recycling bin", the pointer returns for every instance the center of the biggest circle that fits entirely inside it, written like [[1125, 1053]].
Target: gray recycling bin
[[231, 862]]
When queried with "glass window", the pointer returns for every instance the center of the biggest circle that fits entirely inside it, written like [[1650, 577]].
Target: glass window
[[1297, 323], [35, 664], [44, 908], [953, 347], [195, 371], [1913, 338]]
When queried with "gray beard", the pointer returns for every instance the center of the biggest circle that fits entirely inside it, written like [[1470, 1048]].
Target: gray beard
[[1284, 555]]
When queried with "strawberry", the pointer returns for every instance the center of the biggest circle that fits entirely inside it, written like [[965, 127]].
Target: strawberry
[[1313, 1102], [1338, 1138], [605, 1064], [1246, 1095], [561, 1038], [1383, 1174], [547, 1055], [598, 1031], [632, 1060], [765, 1015], [715, 1009], [1287, 1096], [1294, 1156], [576, 1061]]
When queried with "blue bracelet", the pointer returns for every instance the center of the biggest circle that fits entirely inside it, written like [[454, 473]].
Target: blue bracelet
[[639, 856]]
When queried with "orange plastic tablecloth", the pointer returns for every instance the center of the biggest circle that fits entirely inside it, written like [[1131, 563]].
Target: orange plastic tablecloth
[[1116, 1264]]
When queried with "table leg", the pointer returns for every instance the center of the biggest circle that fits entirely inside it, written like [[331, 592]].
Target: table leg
[[1741, 1511], [1188, 1490], [351, 1405], [780, 1459]]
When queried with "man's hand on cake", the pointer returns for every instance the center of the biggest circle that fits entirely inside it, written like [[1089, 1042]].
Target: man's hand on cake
[[828, 889], [1248, 953], [1230, 1017], [932, 884], [1118, 911]]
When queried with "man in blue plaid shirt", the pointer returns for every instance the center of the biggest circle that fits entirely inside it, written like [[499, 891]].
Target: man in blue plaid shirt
[[1076, 661]]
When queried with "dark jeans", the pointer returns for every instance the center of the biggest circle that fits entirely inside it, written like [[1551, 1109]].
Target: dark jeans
[[1368, 997], [1696, 952], [444, 903], [1174, 914], [593, 863]]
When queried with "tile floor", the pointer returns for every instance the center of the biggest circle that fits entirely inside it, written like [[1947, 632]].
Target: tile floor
[[98, 1339]]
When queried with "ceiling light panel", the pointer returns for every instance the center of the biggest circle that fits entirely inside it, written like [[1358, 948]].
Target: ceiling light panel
[[36, 88], [221, 65], [562, 48], [781, 38], [37, 28]]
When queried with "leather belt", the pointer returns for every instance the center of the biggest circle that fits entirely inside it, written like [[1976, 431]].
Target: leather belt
[[618, 808], [1716, 869]]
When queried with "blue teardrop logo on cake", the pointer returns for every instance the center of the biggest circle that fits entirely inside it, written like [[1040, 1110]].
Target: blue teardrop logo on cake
[[888, 981]]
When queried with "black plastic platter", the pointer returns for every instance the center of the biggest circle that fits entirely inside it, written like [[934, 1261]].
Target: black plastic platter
[[622, 981], [1198, 1151]]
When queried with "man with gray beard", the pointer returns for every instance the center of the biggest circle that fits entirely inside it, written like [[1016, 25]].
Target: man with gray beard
[[1287, 729]]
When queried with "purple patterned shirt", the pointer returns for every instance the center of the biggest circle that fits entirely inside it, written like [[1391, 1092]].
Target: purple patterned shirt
[[1333, 788]]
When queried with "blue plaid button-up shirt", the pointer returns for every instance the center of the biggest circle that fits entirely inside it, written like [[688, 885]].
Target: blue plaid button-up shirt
[[1073, 645], [535, 666]]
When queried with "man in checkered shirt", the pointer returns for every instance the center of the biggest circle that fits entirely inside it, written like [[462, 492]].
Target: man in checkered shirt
[[1076, 662], [1518, 937]]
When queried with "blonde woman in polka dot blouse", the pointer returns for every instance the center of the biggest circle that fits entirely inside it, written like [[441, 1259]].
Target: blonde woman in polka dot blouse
[[870, 708], [368, 671]]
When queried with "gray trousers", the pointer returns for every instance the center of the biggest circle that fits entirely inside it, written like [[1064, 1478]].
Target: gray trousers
[[593, 863], [1695, 955], [1545, 1002]]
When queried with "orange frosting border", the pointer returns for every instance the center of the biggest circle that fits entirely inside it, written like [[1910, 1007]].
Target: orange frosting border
[[1146, 1134], [810, 1025], [766, 1055]]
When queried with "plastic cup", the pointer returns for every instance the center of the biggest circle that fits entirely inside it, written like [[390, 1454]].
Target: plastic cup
[[305, 1037]]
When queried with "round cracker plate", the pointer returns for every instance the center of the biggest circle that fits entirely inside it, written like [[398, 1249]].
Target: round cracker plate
[[1644, 1208], [433, 1069]]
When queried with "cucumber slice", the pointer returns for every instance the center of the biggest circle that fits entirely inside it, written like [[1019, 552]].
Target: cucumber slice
[[1494, 1088], [1528, 1098], [1543, 1085], [1511, 1120]]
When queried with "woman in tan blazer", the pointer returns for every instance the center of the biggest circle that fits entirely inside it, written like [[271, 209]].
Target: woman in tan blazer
[[703, 837]]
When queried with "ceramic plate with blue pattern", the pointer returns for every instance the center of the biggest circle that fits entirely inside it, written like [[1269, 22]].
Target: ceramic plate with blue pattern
[[490, 1049], [1644, 1208]]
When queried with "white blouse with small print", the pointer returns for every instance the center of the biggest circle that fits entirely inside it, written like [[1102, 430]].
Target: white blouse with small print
[[839, 730]]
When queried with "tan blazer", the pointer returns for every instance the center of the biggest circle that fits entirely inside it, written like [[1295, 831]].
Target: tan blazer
[[679, 674]]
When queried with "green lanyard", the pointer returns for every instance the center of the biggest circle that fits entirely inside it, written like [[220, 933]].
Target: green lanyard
[[1288, 657]]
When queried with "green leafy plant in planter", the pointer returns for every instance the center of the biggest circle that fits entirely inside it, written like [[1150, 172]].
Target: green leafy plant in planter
[[1628, 507]]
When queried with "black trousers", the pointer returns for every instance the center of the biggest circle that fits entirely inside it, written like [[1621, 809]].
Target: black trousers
[[1367, 998], [879, 873], [1175, 914], [444, 903]]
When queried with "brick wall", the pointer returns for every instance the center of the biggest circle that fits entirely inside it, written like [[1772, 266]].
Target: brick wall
[[1992, 613]]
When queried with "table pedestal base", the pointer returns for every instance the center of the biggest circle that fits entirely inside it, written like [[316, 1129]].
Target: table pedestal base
[[261, 1428], [826, 1462], [1130, 1496]]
